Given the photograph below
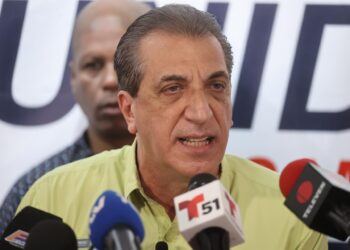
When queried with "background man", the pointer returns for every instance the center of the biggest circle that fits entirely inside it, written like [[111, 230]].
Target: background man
[[97, 32], [174, 69]]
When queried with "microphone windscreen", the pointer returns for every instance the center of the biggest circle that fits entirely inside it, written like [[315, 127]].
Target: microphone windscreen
[[110, 210], [16, 233], [53, 235], [200, 180], [161, 245], [291, 173]]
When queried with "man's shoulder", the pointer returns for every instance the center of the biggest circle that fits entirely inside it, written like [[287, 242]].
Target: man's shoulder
[[102, 164], [79, 182], [76, 151]]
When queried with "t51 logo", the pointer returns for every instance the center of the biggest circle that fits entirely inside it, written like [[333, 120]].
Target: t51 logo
[[191, 206], [197, 206]]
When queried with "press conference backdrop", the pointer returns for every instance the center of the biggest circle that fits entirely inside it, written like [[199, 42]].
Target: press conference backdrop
[[290, 82]]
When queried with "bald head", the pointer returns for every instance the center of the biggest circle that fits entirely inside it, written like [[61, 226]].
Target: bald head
[[97, 31], [124, 11]]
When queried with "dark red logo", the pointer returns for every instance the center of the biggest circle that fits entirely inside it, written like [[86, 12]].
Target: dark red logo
[[304, 192], [232, 205], [191, 206]]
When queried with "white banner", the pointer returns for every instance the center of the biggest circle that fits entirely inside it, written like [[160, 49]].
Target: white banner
[[290, 81]]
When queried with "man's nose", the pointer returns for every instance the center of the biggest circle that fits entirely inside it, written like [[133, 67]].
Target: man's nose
[[198, 108], [110, 80]]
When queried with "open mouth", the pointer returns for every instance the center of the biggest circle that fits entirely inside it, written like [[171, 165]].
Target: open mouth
[[196, 142]]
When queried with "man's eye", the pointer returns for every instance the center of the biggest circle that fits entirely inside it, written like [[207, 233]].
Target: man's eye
[[218, 86], [92, 65], [171, 89]]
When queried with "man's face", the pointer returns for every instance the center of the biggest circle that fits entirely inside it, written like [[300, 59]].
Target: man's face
[[182, 112], [94, 82]]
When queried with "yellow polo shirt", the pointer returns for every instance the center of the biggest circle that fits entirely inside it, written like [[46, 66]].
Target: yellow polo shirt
[[70, 192]]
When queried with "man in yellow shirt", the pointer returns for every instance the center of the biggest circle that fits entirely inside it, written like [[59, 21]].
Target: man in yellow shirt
[[174, 69]]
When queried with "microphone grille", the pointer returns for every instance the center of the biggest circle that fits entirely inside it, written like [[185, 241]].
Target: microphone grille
[[161, 245], [200, 180], [53, 235]]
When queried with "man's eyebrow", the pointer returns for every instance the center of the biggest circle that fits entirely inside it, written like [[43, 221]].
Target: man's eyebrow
[[172, 77], [168, 78], [217, 74], [181, 78]]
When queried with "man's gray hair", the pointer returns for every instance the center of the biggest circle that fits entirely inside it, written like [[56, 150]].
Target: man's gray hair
[[174, 19]]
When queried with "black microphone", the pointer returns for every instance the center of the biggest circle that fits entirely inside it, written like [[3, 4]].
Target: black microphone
[[16, 233], [208, 217], [161, 245], [212, 238], [318, 197], [53, 235]]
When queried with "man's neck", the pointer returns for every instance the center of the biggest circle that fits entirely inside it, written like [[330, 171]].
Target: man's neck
[[162, 189], [99, 143]]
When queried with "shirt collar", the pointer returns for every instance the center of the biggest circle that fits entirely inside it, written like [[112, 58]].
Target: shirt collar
[[132, 178], [227, 176]]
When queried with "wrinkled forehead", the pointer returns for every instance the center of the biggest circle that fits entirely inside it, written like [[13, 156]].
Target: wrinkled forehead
[[160, 39], [168, 42], [180, 55]]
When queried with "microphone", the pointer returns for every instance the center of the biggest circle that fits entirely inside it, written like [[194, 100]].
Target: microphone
[[53, 235], [318, 197], [115, 223], [161, 245], [208, 217], [16, 233]]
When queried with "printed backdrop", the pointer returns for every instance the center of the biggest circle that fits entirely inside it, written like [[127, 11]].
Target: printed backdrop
[[290, 94]]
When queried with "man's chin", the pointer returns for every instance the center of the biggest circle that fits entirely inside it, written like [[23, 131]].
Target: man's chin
[[114, 130]]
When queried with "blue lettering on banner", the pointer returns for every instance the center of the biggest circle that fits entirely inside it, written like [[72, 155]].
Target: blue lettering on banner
[[150, 4], [11, 22], [219, 10], [295, 116], [253, 64]]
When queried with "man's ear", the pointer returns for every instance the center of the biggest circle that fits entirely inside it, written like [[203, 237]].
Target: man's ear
[[126, 105]]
